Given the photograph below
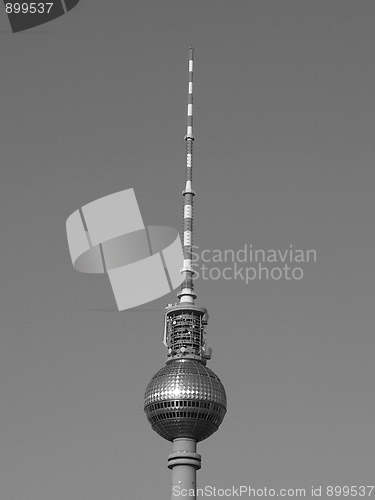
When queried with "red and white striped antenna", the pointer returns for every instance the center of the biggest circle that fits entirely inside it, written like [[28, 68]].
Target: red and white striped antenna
[[186, 293]]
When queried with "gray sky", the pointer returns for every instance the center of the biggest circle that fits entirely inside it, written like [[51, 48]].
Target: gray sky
[[95, 102]]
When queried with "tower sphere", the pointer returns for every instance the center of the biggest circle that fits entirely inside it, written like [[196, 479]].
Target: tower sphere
[[185, 399]]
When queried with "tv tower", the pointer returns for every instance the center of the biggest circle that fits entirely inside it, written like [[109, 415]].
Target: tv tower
[[185, 402]]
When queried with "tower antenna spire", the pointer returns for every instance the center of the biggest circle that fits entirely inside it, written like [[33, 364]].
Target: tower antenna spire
[[186, 293]]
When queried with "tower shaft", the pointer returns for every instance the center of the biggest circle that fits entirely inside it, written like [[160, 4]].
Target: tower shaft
[[184, 462]]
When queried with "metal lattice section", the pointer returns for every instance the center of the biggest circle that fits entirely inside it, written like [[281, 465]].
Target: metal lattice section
[[184, 332]]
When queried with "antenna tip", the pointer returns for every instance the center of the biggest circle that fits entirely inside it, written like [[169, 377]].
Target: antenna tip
[[191, 47]]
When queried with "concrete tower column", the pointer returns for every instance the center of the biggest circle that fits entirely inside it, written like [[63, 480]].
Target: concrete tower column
[[184, 462]]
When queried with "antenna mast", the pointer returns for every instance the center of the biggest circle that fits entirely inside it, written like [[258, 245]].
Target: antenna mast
[[186, 293], [185, 323]]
